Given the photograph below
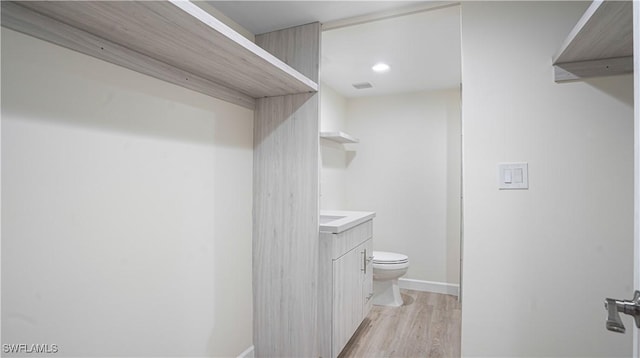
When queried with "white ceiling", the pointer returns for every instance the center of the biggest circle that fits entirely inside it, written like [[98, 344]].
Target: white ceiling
[[265, 16], [423, 49]]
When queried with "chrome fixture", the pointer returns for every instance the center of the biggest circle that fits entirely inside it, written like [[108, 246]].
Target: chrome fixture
[[614, 307]]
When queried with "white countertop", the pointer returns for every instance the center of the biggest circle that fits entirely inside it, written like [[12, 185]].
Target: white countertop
[[337, 221]]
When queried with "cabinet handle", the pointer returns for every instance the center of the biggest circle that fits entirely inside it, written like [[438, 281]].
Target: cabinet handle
[[364, 261], [369, 297]]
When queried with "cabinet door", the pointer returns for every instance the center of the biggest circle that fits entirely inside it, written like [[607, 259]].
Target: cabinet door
[[367, 284], [347, 297]]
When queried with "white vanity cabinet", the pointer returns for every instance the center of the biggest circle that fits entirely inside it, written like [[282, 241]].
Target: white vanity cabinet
[[345, 284]]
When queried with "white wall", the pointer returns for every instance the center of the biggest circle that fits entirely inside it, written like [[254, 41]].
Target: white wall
[[406, 168], [126, 221], [333, 117], [539, 263]]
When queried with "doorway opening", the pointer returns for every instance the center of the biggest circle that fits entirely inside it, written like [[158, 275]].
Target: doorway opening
[[406, 164]]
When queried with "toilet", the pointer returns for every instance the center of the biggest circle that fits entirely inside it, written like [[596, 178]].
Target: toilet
[[388, 267]]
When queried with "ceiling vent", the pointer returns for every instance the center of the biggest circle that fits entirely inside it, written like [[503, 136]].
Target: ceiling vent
[[362, 85]]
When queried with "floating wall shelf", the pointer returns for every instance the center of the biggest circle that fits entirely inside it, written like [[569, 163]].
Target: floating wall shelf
[[339, 137], [601, 43], [175, 41]]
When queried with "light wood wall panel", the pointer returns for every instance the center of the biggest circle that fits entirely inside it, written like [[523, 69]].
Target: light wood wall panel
[[325, 295], [286, 209], [294, 46]]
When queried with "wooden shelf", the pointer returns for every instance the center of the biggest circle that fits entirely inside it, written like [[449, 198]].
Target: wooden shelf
[[601, 43], [339, 137], [174, 40]]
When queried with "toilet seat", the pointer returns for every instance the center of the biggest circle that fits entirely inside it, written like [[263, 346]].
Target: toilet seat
[[389, 258], [391, 267]]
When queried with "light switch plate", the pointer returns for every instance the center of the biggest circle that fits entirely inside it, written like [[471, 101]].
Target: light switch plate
[[513, 176]]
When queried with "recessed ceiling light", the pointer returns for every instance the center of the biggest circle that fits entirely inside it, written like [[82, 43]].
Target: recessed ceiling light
[[380, 67]]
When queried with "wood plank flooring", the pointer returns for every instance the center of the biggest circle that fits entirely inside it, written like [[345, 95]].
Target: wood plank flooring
[[427, 325]]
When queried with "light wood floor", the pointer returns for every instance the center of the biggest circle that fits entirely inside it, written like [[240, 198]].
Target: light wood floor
[[427, 325]]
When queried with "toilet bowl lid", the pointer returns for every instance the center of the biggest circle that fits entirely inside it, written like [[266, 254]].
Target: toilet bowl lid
[[383, 257]]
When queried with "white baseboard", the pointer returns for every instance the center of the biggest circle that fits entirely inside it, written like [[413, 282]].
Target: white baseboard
[[429, 286], [248, 353]]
